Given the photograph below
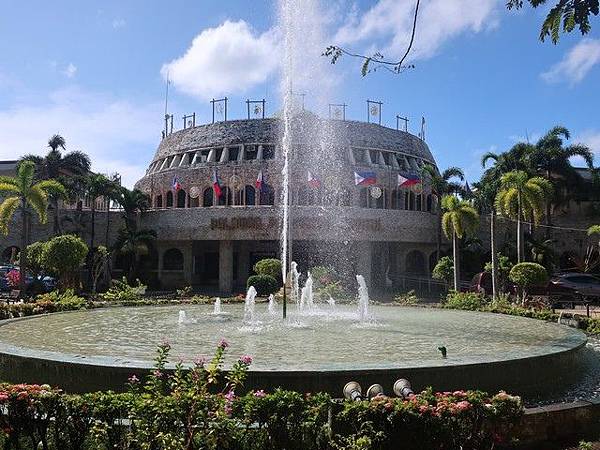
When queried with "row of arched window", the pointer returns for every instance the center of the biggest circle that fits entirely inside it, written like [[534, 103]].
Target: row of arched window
[[399, 199]]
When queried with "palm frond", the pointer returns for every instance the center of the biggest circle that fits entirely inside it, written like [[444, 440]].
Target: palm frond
[[7, 210], [38, 200], [52, 187]]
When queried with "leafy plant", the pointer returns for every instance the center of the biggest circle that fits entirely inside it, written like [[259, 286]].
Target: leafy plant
[[407, 299], [269, 266], [64, 255], [444, 269], [63, 301], [122, 291], [264, 284], [504, 265], [470, 301], [526, 275]]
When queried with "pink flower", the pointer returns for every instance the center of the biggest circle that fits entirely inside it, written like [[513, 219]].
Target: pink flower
[[463, 406], [246, 359], [230, 396], [3, 397], [200, 361], [223, 344], [260, 394], [157, 374], [165, 344], [423, 409], [133, 379]]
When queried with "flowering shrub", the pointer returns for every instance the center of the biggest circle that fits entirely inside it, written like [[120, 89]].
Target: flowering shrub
[[14, 278], [470, 301], [200, 407], [121, 291]]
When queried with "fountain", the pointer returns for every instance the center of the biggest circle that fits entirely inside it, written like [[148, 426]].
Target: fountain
[[217, 308], [363, 299], [249, 306], [99, 349], [272, 305]]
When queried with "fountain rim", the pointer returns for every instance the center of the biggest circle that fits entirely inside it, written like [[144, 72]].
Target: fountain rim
[[109, 361]]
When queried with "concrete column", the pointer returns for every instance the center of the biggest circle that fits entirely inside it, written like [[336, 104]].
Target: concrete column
[[188, 262], [226, 266], [364, 261]]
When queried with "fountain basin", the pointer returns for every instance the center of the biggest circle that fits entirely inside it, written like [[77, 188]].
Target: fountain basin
[[99, 349]]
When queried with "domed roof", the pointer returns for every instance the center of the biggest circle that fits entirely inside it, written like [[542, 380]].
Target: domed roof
[[346, 133]]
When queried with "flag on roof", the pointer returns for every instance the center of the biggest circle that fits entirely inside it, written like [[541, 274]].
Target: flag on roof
[[408, 180], [216, 184], [365, 178], [175, 185], [260, 180], [313, 181]]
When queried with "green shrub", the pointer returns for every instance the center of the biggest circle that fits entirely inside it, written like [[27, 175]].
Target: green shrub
[[63, 301], [528, 274], [264, 284], [470, 301], [270, 267], [504, 265], [444, 269], [121, 291], [64, 255], [36, 257], [407, 299]]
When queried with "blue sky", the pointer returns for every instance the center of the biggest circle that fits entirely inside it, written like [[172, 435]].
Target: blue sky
[[95, 72]]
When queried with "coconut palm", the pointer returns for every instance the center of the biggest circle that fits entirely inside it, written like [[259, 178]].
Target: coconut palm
[[460, 219], [517, 158], [440, 185], [58, 166], [484, 195], [23, 194], [97, 185], [552, 159], [132, 202], [522, 197], [134, 243]]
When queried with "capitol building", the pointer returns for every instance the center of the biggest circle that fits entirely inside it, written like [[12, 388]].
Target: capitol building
[[216, 202]]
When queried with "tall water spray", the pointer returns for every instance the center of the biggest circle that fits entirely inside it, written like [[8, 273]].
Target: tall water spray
[[301, 22], [272, 305], [307, 300], [217, 307]]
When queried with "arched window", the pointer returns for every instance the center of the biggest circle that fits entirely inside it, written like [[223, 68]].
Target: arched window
[[207, 197], [246, 196], [169, 199], [173, 259], [158, 201], [411, 201], [181, 195], [225, 198], [429, 203], [419, 206], [415, 262], [193, 202], [267, 195]]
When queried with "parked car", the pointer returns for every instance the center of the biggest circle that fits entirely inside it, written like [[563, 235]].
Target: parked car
[[573, 286]]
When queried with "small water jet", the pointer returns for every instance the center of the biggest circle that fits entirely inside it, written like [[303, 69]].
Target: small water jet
[[295, 282], [217, 307], [182, 317], [363, 299], [249, 306], [307, 301], [272, 305]]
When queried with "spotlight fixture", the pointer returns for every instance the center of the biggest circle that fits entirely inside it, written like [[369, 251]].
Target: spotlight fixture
[[374, 390], [402, 388], [352, 391]]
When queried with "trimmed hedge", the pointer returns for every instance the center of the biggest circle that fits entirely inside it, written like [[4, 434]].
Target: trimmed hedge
[[264, 284]]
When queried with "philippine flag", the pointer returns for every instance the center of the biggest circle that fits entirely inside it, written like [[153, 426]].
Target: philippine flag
[[176, 185], [365, 178], [260, 179], [313, 181], [216, 184], [408, 180]]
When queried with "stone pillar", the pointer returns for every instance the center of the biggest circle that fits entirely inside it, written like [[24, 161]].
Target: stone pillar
[[226, 266], [364, 261]]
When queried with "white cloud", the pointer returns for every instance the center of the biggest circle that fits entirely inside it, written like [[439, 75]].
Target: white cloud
[[387, 25], [576, 64], [119, 136], [591, 138], [118, 23], [70, 70], [230, 58]]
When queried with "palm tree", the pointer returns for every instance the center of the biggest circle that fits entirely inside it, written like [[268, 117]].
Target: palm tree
[[440, 185], [58, 166], [23, 194], [517, 158], [97, 185], [134, 243], [485, 192], [521, 197], [132, 202], [459, 219], [553, 160]]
